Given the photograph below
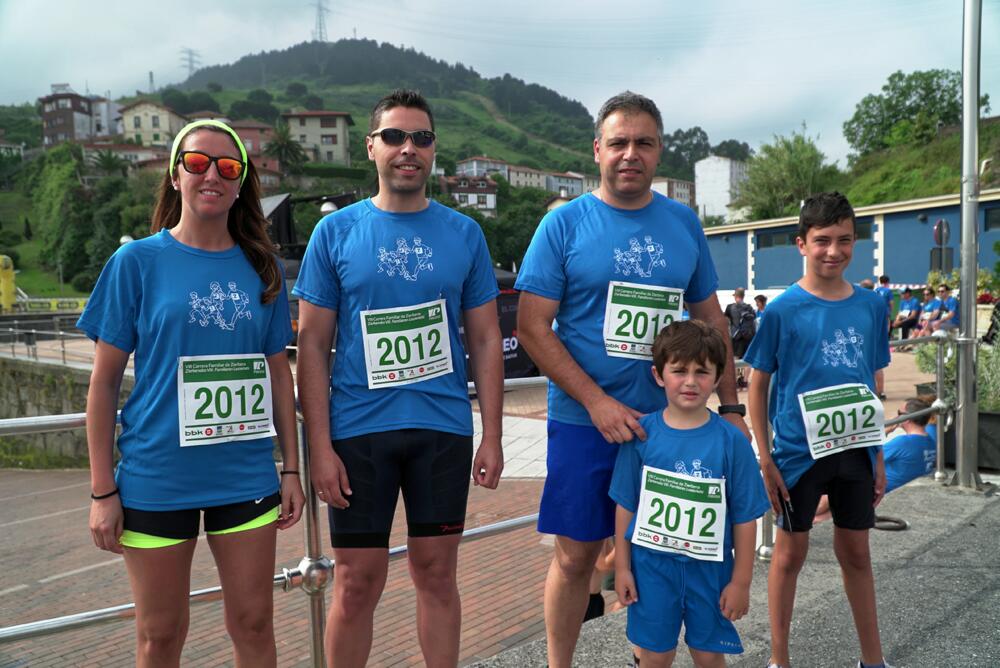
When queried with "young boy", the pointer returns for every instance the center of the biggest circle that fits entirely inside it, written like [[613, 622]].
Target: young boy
[[822, 340], [686, 496]]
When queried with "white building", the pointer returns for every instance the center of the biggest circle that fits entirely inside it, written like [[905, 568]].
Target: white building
[[717, 182], [675, 189], [525, 177], [481, 165]]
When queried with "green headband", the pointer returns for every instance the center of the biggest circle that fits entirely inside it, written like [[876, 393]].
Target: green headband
[[207, 123]]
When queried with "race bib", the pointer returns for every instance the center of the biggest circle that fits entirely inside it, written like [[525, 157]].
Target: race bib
[[406, 345], [904, 313], [635, 314], [842, 417], [681, 514], [223, 398]]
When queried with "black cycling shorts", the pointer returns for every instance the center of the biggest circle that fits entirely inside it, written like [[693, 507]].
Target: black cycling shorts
[[183, 524], [848, 481], [432, 468]]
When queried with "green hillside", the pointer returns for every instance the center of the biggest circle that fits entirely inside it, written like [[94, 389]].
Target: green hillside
[[914, 171]]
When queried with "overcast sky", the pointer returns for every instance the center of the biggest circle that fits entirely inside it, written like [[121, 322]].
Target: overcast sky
[[739, 69]]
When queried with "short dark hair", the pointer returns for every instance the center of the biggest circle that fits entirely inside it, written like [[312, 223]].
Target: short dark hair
[[689, 341], [883, 279], [823, 210], [629, 102], [761, 298], [907, 290], [914, 404], [400, 97], [945, 286]]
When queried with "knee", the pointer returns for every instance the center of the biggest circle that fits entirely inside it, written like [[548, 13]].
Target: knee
[[574, 566], [252, 626], [788, 562], [356, 591], [434, 576], [853, 557], [162, 637]]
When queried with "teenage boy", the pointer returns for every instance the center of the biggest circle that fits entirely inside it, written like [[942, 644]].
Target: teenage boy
[[821, 343], [687, 497], [397, 405]]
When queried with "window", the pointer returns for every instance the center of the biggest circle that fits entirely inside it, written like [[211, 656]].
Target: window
[[136, 122], [328, 122], [48, 106], [302, 139], [328, 139], [771, 239], [156, 121], [863, 229], [302, 122], [156, 136], [481, 184], [463, 184], [329, 156], [482, 200], [992, 219], [63, 103], [247, 144], [138, 139]]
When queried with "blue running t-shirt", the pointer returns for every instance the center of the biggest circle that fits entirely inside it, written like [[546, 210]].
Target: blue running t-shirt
[[886, 295], [808, 343], [362, 258], [912, 305], [162, 300], [907, 457], [950, 305], [716, 449], [582, 246]]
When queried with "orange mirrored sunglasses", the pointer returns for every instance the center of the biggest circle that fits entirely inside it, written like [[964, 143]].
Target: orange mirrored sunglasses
[[196, 162]]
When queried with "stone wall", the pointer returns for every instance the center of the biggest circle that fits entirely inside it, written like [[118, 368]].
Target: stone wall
[[29, 388]]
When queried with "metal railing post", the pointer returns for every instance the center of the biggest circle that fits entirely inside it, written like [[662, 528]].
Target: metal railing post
[[766, 548], [62, 345], [939, 473], [316, 568], [33, 350], [13, 341]]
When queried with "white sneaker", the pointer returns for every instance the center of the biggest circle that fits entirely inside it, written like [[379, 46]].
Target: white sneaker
[[885, 664]]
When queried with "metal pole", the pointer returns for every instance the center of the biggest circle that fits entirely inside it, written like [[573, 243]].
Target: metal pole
[[316, 568], [62, 345], [966, 455], [766, 548], [939, 474], [33, 350]]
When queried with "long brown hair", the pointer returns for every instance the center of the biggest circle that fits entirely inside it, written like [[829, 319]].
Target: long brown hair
[[246, 224]]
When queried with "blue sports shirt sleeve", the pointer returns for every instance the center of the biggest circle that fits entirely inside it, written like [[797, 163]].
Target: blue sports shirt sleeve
[[481, 284], [318, 282], [763, 351], [542, 269], [625, 478], [745, 488], [110, 314]]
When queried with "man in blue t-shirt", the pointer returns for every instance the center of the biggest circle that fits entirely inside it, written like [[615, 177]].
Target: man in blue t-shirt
[[609, 269], [393, 277], [819, 346], [909, 313], [949, 310]]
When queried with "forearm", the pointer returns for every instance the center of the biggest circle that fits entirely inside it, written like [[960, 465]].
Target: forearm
[[555, 362], [283, 402], [314, 389], [744, 543], [102, 410], [623, 549], [758, 413], [486, 357]]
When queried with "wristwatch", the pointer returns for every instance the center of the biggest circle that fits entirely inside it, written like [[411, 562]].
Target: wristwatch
[[739, 409]]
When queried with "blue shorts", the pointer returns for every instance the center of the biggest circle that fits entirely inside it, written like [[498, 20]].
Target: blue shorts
[[672, 591], [575, 501]]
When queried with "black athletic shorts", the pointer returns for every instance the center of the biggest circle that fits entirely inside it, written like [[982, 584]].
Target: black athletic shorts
[[432, 468], [183, 524], [848, 481]]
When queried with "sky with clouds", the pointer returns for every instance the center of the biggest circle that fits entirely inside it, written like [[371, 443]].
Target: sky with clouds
[[744, 70]]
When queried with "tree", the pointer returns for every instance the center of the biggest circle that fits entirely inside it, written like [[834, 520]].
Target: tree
[[27, 229], [214, 87], [733, 149], [285, 149], [199, 100], [921, 98], [312, 102], [260, 96], [176, 100], [296, 89], [782, 174], [109, 163], [681, 149]]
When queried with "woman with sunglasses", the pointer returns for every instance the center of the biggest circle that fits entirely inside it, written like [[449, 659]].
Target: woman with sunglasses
[[202, 306]]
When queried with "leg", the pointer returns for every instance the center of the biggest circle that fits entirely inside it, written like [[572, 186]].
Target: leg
[[708, 659], [790, 550], [851, 548], [245, 560], [160, 578], [433, 563], [656, 659], [359, 577], [566, 594]]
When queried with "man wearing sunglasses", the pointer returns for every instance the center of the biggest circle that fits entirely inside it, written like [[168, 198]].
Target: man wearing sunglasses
[[610, 268], [392, 277]]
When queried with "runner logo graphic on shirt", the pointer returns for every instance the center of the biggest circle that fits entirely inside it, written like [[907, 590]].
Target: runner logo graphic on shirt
[[845, 350], [406, 261], [640, 258], [221, 307], [696, 471]]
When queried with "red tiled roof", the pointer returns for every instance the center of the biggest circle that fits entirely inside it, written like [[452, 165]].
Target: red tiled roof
[[250, 124]]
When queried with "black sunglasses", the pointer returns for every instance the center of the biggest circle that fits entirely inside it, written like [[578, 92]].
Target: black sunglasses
[[396, 137]]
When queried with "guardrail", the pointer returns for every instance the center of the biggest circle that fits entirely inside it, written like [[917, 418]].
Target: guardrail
[[941, 407], [312, 574]]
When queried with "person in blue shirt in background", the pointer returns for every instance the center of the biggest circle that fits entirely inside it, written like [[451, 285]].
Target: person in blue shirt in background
[[670, 571], [949, 310], [930, 311], [885, 292], [909, 314]]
